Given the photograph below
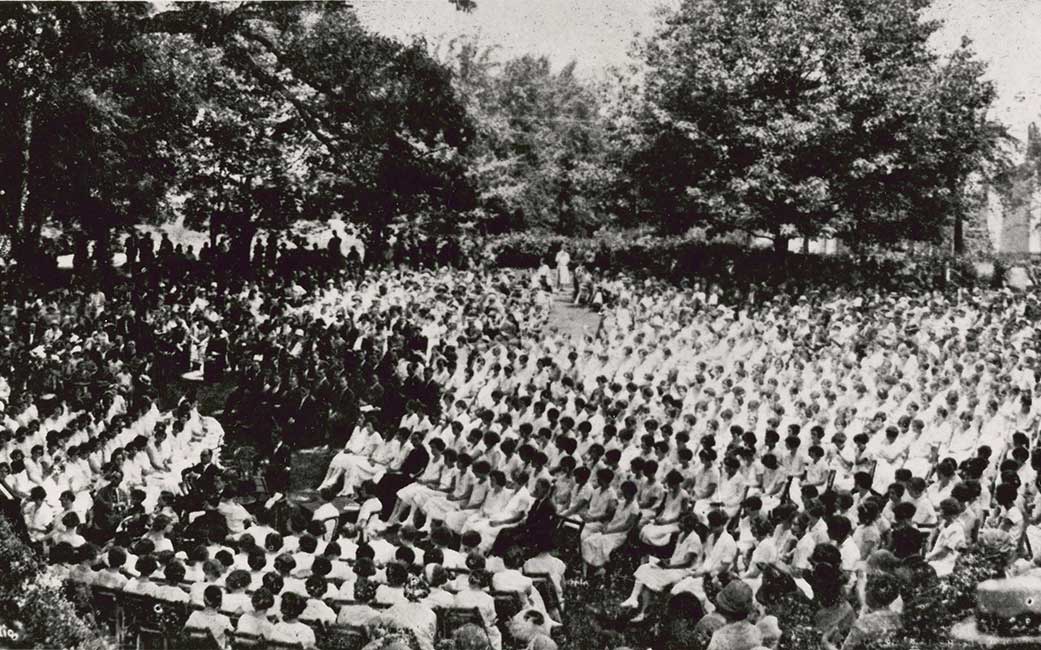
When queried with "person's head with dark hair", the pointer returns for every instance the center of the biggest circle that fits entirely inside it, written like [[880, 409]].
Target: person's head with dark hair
[[1006, 494], [212, 597], [293, 605], [397, 574], [470, 539], [63, 553], [174, 572], [238, 580], [273, 582], [825, 579], [284, 564], [332, 551], [117, 558], [256, 560], [321, 566], [839, 528], [405, 555], [881, 590], [225, 557], [316, 586], [262, 600], [145, 566]]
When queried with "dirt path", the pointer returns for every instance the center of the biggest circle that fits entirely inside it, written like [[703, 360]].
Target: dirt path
[[572, 320]]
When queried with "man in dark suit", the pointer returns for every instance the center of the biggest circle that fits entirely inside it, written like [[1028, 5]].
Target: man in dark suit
[[537, 524], [203, 475], [414, 464]]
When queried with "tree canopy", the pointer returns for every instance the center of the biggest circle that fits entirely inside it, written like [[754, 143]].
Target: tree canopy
[[252, 112], [795, 118], [540, 156], [810, 118]]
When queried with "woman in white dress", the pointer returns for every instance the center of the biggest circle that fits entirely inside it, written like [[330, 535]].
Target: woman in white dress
[[563, 272], [597, 548], [950, 541], [660, 530], [654, 576]]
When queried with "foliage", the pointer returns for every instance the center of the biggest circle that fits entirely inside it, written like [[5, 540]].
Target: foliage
[[32, 595], [306, 114], [263, 113], [813, 118], [677, 257], [541, 156], [91, 113]]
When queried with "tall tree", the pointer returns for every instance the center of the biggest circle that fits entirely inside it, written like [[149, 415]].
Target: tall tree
[[91, 113], [811, 118], [97, 108], [539, 156]]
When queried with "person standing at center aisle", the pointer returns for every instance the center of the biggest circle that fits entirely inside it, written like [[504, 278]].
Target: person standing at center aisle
[[563, 259]]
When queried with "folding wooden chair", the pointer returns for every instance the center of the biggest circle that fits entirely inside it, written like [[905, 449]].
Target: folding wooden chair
[[507, 604], [330, 532], [108, 610], [342, 637], [451, 619], [544, 584], [242, 641], [199, 639], [928, 532]]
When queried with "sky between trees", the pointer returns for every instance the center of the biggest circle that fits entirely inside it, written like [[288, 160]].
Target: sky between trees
[[597, 33]]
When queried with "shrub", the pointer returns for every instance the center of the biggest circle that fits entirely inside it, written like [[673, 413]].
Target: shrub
[[33, 595]]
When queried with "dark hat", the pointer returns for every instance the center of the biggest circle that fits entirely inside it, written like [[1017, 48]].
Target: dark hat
[[735, 599]]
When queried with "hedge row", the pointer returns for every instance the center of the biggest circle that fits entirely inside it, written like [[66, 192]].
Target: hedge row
[[677, 258]]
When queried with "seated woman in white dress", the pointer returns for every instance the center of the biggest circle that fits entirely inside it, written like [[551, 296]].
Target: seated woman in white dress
[[720, 551], [374, 466], [597, 547], [763, 552], [427, 482], [360, 446], [655, 576], [495, 499], [660, 529], [950, 540], [602, 504], [473, 492]]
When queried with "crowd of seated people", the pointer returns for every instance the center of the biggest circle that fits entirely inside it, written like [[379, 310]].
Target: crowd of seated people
[[828, 444], [131, 497], [810, 434]]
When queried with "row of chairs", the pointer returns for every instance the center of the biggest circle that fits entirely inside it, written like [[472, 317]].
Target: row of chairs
[[143, 622]]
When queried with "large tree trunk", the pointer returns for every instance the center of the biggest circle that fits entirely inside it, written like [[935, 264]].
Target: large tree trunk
[[23, 242], [780, 245]]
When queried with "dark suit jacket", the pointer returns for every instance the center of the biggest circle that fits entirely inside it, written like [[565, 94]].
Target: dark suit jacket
[[542, 516]]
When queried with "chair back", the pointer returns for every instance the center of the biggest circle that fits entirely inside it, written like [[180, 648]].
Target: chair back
[[451, 619], [243, 641], [544, 585], [330, 530], [199, 639], [342, 637], [108, 610], [507, 604]]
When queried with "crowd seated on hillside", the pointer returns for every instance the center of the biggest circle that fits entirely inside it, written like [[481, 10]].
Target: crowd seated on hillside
[[793, 470]]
